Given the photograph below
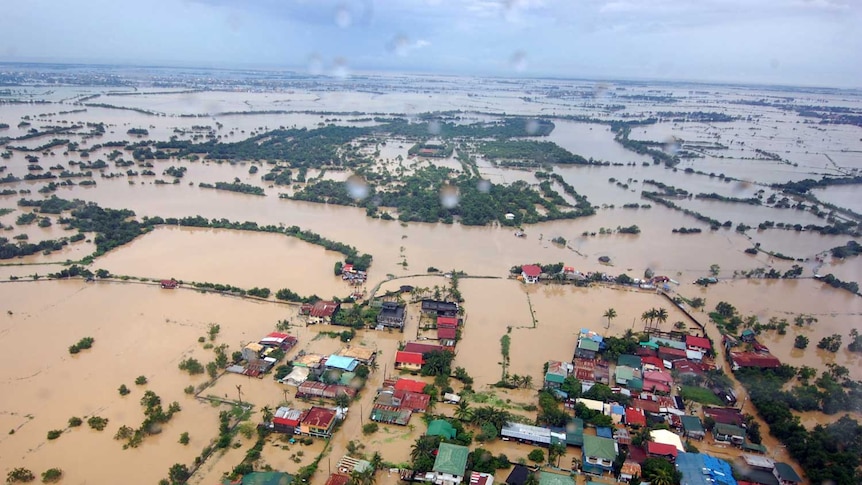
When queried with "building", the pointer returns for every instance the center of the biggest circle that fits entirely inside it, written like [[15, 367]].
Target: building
[[525, 433], [447, 336], [286, 420], [518, 475], [450, 464], [363, 354], [251, 351], [323, 390], [447, 322], [671, 354], [587, 348], [392, 315], [657, 381], [438, 308], [442, 428], [598, 454], [699, 344], [662, 450], [477, 478], [740, 360], [635, 417], [548, 478], [692, 427], [531, 273], [337, 479], [341, 362], [728, 433], [785, 474], [748, 335], [409, 385], [322, 312], [667, 437], [724, 415], [279, 340], [629, 470], [170, 284], [391, 414], [422, 348], [702, 469], [262, 478], [318, 422], [408, 360]]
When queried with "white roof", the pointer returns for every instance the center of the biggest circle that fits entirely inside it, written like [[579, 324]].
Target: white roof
[[693, 355], [592, 404], [297, 376], [758, 461], [667, 437]]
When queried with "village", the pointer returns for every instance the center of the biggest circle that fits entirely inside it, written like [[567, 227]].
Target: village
[[613, 408]]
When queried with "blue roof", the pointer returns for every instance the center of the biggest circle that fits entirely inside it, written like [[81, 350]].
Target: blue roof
[[340, 362], [703, 469], [617, 409], [604, 432]]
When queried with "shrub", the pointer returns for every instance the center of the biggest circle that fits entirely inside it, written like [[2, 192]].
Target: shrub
[[189, 390], [369, 428], [801, 342], [184, 438], [124, 391], [192, 366], [51, 475], [97, 423], [75, 421], [54, 434], [141, 380], [536, 455], [20, 475]]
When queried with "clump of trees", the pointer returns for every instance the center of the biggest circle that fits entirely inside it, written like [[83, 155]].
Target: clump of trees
[[83, 344], [192, 366], [831, 343]]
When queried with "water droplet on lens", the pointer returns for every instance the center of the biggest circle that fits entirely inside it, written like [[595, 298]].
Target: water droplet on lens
[[671, 146], [399, 45], [484, 186], [449, 196], [434, 127], [599, 90], [357, 187], [532, 127], [518, 61], [343, 18], [315, 65], [340, 69]]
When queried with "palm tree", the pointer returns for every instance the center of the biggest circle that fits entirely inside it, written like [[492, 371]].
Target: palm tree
[[610, 314], [365, 477], [376, 461], [648, 316], [662, 476], [373, 365], [527, 382], [267, 414], [532, 479], [463, 413], [424, 447], [661, 315]]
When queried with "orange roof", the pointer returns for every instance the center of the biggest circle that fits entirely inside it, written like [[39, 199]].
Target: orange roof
[[531, 270], [409, 385], [337, 479], [661, 449], [402, 357]]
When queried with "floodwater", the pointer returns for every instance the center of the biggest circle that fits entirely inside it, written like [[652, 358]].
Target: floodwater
[[140, 329]]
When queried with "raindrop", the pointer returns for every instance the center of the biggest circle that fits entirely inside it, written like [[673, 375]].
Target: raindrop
[[518, 61], [671, 146], [434, 127], [399, 45], [357, 187], [340, 69], [315, 65], [599, 90], [484, 186], [773, 63], [532, 127], [343, 18], [449, 196]]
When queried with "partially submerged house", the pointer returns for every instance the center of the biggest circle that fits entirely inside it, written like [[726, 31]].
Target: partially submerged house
[[728, 433], [758, 360], [318, 422], [699, 344], [392, 315], [279, 340], [530, 273], [785, 474], [525, 433], [411, 361], [322, 312], [286, 420], [437, 308], [321, 390], [692, 427], [598, 454], [170, 284], [450, 464]]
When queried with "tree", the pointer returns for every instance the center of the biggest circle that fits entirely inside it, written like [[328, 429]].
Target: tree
[[20, 475], [124, 390], [800, 342], [179, 473], [141, 380], [463, 412], [536, 455], [532, 478], [555, 451], [52, 475], [184, 438], [714, 269], [661, 315], [610, 314], [422, 452], [725, 309], [365, 477], [342, 400], [267, 414], [831, 343], [660, 472]]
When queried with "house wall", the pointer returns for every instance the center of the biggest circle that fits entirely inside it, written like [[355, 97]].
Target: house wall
[[408, 366]]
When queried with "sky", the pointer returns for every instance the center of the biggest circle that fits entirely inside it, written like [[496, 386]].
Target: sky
[[787, 42]]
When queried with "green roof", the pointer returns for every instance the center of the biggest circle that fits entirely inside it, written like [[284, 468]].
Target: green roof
[[441, 427], [691, 423], [786, 472], [588, 344], [753, 447], [451, 459], [265, 478], [636, 384], [632, 361], [604, 448], [624, 373], [728, 429], [555, 378], [546, 478], [651, 345]]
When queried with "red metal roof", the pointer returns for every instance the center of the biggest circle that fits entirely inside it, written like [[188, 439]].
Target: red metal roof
[[447, 322], [652, 360], [661, 449], [635, 416], [700, 342], [286, 422], [409, 385], [646, 405], [658, 376], [672, 352], [531, 270], [750, 359], [413, 400], [655, 386], [338, 479], [278, 335], [319, 417], [446, 333], [687, 366], [645, 351], [724, 415], [420, 348], [324, 309], [404, 357]]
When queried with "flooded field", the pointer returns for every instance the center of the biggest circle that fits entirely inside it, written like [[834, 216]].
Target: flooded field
[[142, 330]]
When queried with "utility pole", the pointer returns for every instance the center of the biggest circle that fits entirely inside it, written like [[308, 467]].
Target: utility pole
[[239, 392]]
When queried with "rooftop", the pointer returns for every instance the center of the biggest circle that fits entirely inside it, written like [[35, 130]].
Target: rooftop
[[603, 448], [588, 344], [702, 469], [420, 348], [319, 417], [409, 385], [691, 423], [441, 427], [667, 437], [324, 309], [451, 459], [701, 342], [661, 449], [342, 362], [403, 357], [548, 478], [446, 333], [632, 361], [531, 270], [786, 472]]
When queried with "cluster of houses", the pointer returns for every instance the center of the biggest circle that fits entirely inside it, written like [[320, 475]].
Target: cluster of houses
[[316, 421], [258, 357], [397, 401], [352, 275], [758, 357], [326, 376], [532, 274]]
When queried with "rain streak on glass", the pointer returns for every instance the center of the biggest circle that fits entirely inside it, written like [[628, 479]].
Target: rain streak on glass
[[484, 186], [357, 187], [449, 196], [518, 61], [434, 127], [671, 146], [343, 18], [532, 127]]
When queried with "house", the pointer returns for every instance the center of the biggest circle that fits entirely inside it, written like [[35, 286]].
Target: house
[[391, 414], [420, 348], [477, 478], [785, 474], [629, 470], [439, 308], [553, 381], [633, 361], [622, 436], [531, 273], [687, 368], [758, 462], [447, 322], [661, 450], [279, 340], [392, 315], [318, 422], [450, 464], [575, 432], [703, 469], [598, 454], [262, 478], [322, 312], [748, 335], [671, 354], [728, 433], [724, 415], [525, 433], [646, 405], [447, 336], [251, 351], [692, 427], [657, 381], [442, 428], [323, 390], [666, 437], [635, 417], [409, 385], [341, 362], [741, 360], [548, 478], [408, 360], [297, 376], [286, 420], [698, 344], [518, 475], [651, 362], [170, 284], [415, 401], [363, 354], [337, 479], [587, 348]]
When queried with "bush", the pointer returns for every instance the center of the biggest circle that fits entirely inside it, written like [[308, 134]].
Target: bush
[[141, 380], [189, 390], [52, 475], [801, 342], [184, 438], [83, 344], [124, 391], [97, 423], [20, 475], [192, 366], [369, 428], [75, 421], [54, 434], [536, 455]]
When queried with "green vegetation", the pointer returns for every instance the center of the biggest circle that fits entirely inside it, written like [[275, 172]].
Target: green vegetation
[[138, 131], [52, 475], [97, 423], [834, 282], [649, 148], [527, 153], [20, 475], [852, 248], [369, 428], [192, 366], [437, 362], [800, 342], [123, 390], [184, 438], [831, 343], [235, 186], [155, 416], [75, 421], [141, 380], [536, 455], [54, 434], [701, 395], [83, 344]]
